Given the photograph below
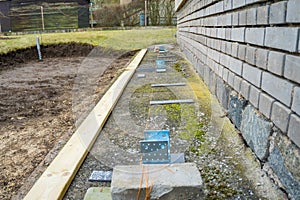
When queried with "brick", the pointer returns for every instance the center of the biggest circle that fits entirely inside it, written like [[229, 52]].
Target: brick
[[250, 55], [292, 68], [219, 7], [212, 82], [206, 74], [249, 2], [220, 70], [220, 20], [221, 33], [228, 47], [276, 62], [251, 16], [280, 116], [211, 53], [234, 49], [223, 46], [293, 14], [218, 44], [277, 87], [224, 60], [238, 34], [213, 32], [225, 74], [237, 83], [228, 33], [294, 127], [262, 58], [296, 100], [284, 38], [238, 3], [265, 104], [242, 52], [245, 88], [252, 74], [235, 65], [255, 36], [227, 5], [254, 96], [235, 19], [231, 78], [263, 15], [277, 13], [242, 17], [228, 19]]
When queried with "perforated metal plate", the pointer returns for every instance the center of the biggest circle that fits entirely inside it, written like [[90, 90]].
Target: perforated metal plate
[[157, 135], [156, 147], [155, 152], [160, 64], [104, 176]]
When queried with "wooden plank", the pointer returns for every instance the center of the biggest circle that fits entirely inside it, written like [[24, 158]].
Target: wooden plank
[[178, 101], [56, 179], [168, 84]]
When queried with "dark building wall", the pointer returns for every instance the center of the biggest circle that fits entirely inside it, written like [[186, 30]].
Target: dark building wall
[[4, 16], [83, 16]]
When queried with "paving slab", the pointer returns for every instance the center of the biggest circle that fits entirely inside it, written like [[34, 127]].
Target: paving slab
[[96, 193]]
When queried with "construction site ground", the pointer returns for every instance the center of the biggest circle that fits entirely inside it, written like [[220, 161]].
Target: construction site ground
[[37, 117], [42, 103], [199, 130]]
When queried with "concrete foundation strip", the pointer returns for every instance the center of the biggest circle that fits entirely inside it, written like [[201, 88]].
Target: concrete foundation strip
[[56, 179], [171, 101]]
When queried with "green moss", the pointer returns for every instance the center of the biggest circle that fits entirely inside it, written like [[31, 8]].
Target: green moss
[[216, 183], [173, 114], [177, 66]]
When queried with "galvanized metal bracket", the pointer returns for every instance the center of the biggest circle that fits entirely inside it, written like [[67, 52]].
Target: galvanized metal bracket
[[160, 65], [155, 148]]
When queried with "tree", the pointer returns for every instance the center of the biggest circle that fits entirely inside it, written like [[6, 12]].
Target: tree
[[168, 11], [154, 12]]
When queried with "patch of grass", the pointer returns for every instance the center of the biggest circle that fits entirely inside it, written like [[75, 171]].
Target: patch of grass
[[115, 39]]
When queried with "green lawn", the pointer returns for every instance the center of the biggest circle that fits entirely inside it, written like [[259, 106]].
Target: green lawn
[[116, 39]]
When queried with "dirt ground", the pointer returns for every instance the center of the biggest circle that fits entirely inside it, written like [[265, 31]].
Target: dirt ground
[[38, 106]]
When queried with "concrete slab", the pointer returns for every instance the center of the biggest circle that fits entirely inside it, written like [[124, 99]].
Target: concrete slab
[[95, 193], [175, 181], [177, 158]]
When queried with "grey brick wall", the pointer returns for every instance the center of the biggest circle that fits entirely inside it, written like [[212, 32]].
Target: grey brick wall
[[251, 47]]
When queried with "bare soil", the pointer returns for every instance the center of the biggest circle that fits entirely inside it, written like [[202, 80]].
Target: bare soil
[[37, 103]]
